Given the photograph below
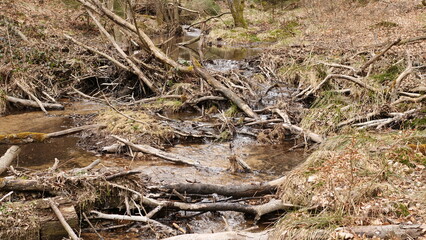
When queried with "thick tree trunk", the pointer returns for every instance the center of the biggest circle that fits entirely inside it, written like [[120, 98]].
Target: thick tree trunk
[[237, 10]]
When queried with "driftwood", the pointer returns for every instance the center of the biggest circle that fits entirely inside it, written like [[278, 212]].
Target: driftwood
[[144, 219], [159, 153], [33, 104], [240, 235], [380, 123], [224, 90], [28, 137], [22, 185], [257, 210], [61, 218], [8, 157], [87, 168], [298, 130], [403, 231], [246, 190], [39, 103]]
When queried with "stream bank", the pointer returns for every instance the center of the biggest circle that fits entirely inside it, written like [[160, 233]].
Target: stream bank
[[362, 102]]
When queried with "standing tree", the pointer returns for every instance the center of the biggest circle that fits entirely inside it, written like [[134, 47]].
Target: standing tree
[[237, 11]]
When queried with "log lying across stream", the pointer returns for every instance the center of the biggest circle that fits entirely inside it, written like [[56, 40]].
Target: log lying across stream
[[34, 104], [29, 137]]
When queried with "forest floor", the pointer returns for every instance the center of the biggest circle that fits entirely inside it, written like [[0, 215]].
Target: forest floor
[[370, 169]]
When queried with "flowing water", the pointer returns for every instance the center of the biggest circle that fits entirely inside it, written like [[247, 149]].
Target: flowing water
[[268, 161]]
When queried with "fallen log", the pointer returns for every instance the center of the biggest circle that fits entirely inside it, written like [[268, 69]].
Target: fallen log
[[144, 219], [22, 185], [313, 136], [224, 90], [28, 137], [159, 153], [238, 235], [257, 210], [62, 220], [38, 221], [8, 157], [402, 231], [33, 104], [246, 190]]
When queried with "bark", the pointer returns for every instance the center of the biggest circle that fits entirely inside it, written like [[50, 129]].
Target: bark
[[247, 190], [144, 219], [33, 104], [61, 218], [257, 210], [22, 185], [28, 137], [8, 157], [224, 90], [223, 236], [237, 11]]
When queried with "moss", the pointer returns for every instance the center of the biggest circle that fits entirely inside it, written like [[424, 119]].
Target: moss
[[388, 75], [401, 210], [23, 137], [232, 111]]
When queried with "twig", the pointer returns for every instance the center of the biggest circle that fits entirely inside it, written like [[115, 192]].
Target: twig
[[54, 166], [133, 218], [156, 152], [40, 104], [116, 62], [122, 174], [135, 69], [91, 225], [5, 196], [208, 19], [64, 223], [87, 168]]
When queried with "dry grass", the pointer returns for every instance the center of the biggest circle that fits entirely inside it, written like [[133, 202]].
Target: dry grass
[[358, 179], [146, 124]]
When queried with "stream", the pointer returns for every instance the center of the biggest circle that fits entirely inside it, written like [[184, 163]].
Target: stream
[[268, 161]]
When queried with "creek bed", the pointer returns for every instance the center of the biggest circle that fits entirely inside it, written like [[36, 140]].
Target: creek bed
[[268, 161]]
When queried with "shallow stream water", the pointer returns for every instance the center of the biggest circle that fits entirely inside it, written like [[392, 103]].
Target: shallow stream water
[[268, 161]]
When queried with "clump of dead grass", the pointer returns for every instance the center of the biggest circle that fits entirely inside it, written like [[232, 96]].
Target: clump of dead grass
[[356, 179], [145, 124]]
